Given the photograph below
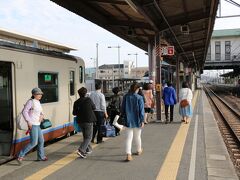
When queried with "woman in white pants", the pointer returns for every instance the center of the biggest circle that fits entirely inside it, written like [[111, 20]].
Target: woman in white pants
[[133, 113]]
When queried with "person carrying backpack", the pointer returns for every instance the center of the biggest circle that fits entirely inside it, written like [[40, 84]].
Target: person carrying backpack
[[115, 106]]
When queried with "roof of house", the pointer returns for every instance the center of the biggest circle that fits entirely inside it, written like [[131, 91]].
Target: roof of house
[[110, 66], [226, 32]]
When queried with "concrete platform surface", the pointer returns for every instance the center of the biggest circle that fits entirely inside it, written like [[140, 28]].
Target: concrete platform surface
[[193, 151]]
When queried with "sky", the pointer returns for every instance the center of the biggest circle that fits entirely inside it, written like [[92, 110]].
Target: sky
[[45, 19]]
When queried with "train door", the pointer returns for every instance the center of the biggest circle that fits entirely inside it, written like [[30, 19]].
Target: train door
[[6, 109], [72, 95]]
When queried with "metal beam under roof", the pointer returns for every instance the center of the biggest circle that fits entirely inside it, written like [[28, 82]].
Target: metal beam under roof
[[145, 18]]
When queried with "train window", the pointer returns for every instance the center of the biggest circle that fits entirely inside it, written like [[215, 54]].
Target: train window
[[81, 74], [48, 82], [72, 79]]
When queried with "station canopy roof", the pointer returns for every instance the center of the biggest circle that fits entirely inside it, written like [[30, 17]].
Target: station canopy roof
[[138, 21], [231, 74]]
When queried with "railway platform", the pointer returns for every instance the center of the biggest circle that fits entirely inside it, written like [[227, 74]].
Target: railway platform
[[170, 151]]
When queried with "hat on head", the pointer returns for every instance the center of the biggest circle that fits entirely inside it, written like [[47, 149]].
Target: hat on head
[[37, 91]]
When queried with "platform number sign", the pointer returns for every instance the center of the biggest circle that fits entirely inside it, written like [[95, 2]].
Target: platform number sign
[[47, 78], [170, 50], [167, 51]]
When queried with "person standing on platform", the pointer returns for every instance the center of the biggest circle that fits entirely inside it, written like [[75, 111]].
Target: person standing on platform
[[169, 98], [115, 106], [133, 113], [185, 98], [140, 92], [149, 101], [98, 99], [84, 108], [33, 114]]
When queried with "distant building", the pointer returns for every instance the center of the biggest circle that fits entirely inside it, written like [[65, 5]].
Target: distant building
[[90, 73], [116, 71], [224, 46], [139, 72]]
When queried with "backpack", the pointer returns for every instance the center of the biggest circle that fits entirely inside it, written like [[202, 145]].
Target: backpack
[[21, 121], [114, 105]]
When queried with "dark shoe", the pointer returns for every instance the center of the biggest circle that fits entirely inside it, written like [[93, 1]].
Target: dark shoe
[[92, 141], [100, 142], [81, 155], [166, 122]]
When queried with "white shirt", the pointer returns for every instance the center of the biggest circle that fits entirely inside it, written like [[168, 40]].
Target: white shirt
[[185, 93], [32, 111]]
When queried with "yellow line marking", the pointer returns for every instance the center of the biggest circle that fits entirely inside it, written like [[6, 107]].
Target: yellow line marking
[[55, 166], [170, 166]]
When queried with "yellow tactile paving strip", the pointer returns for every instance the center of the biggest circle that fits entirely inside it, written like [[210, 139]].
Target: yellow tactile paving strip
[[170, 166], [55, 166], [168, 170]]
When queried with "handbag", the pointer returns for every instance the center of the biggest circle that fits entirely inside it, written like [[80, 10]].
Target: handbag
[[21, 122], [107, 130], [46, 123], [76, 125], [184, 103]]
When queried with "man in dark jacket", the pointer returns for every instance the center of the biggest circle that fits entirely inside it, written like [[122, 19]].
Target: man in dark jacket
[[84, 108]]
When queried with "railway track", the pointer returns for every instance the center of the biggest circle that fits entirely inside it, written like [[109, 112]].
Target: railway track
[[229, 125]]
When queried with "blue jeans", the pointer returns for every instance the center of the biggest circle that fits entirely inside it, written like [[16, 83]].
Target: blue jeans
[[36, 139]]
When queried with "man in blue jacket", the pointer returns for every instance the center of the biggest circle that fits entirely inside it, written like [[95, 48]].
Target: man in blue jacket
[[169, 98]]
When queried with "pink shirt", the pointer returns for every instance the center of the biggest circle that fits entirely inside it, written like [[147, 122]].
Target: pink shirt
[[32, 111], [148, 98]]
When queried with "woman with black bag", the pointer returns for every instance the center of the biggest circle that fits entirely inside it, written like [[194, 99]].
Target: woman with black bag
[[115, 108]]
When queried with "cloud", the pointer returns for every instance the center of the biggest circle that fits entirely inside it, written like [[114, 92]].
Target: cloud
[[45, 19]]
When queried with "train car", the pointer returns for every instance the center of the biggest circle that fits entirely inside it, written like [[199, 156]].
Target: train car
[[22, 68]]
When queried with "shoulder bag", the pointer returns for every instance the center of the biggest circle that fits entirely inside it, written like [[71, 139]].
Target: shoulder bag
[[184, 103]]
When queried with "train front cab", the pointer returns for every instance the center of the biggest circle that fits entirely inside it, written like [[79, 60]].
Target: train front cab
[[6, 109]]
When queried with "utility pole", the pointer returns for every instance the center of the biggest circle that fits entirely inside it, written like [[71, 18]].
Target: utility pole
[[97, 61]]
